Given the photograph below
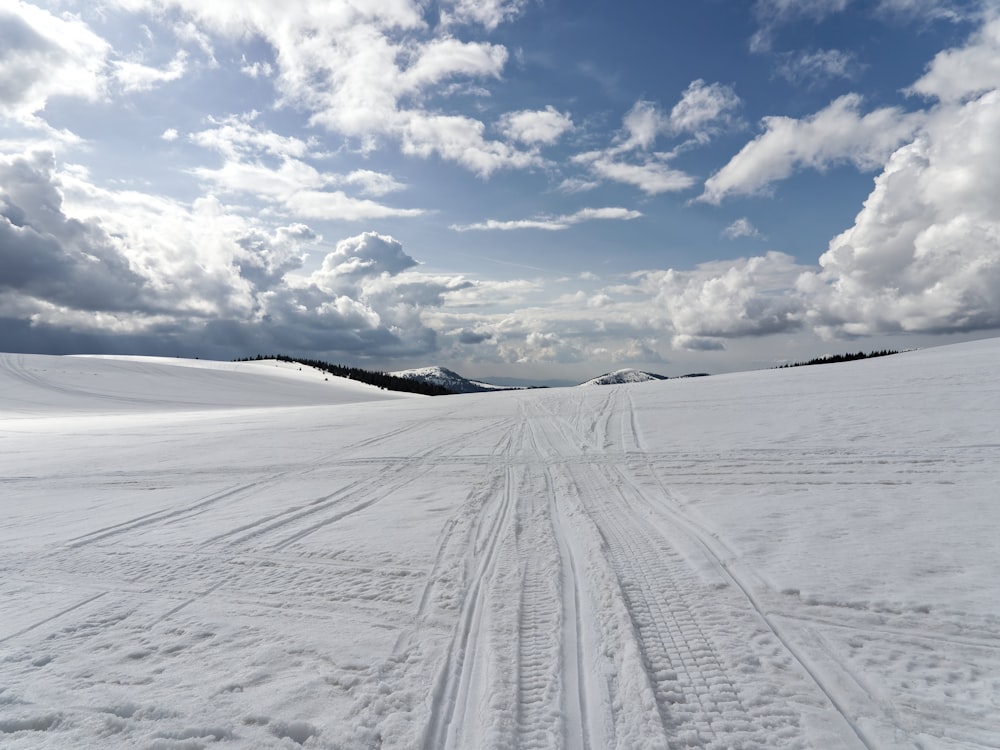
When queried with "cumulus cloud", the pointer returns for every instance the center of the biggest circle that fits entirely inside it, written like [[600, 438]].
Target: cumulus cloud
[[368, 254], [923, 252], [957, 74], [642, 124], [552, 223], [728, 299], [741, 228], [43, 56], [544, 126], [143, 268], [838, 134], [460, 139], [703, 109], [49, 257]]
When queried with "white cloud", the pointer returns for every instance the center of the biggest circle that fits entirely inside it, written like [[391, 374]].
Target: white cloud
[[544, 126], [728, 299], [487, 13], [703, 108], [957, 74], [170, 134], [460, 139], [441, 59], [335, 204], [135, 76], [367, 255], [44, 56], [298, 187], [373, 183], [837, 134], [363, 70], [642, 124], [923, 252], [552, 223], [237, 135], [257, 69], [651, 176], [629, 161], [161, 273], [741, 228]]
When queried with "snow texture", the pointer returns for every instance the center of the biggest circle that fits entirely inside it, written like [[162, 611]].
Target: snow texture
[[200, 555]]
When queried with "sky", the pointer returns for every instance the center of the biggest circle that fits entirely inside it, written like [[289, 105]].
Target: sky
[[516, 189]]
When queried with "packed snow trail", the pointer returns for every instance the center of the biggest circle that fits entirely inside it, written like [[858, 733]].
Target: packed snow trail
[[219, 556]]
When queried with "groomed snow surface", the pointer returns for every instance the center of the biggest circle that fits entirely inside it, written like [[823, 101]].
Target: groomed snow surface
[[215, 555]]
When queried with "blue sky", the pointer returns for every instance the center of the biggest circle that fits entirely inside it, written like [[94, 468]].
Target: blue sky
[[512, 188]]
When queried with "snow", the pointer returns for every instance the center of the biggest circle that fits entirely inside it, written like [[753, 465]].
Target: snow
[[221, 555]]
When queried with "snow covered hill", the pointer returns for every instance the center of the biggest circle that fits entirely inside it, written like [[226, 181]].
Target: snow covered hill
[[32, 384], [446, 378], [620, 377], [209, 556]]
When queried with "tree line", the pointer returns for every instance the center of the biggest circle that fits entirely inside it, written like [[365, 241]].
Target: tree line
[[380, 379], [841, 358]]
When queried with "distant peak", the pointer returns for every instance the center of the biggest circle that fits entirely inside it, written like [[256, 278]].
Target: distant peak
[[626, 375]]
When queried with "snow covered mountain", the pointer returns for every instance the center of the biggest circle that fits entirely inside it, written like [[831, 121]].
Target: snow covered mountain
[[624, 376], [446, 378], [236, 555]]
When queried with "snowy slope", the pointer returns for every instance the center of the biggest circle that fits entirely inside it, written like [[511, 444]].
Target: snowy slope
[[620, 377], [801, 558], [33, 384]]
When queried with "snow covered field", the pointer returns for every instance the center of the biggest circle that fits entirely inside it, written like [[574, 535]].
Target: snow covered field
[[204, 554]]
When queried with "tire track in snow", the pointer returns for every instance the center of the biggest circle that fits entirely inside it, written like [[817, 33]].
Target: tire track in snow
[[697, 700], [697, 692], [453, 723], [540, 623], [709, 545], [606, 697], [565, 662]]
